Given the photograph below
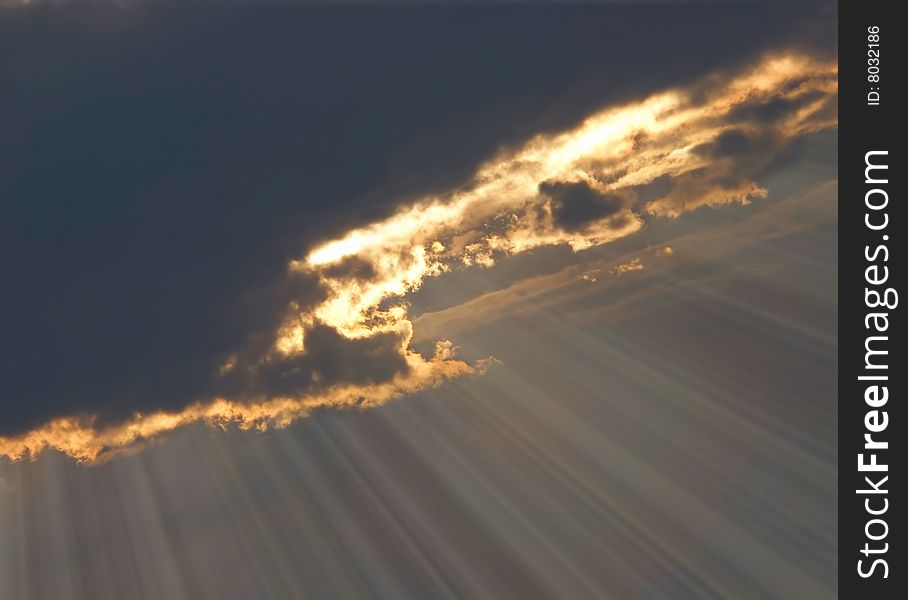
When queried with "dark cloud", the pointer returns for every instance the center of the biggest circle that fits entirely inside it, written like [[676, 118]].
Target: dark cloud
[[159, 166], [330, 359], [774, 110], [763, 135], [352, 267], [575, 205], [736, 143]]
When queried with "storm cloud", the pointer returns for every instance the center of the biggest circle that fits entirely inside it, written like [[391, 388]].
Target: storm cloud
[[172, 184]]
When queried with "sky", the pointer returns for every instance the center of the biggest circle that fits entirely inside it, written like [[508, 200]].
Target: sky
[[309, 300]]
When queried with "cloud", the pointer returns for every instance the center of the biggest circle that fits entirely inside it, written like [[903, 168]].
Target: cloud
[[592, 275], [618, 299], [574, 188], [628, 267], [81, 438], [576, 205], [340, 334], [161, 165], [756, 131]]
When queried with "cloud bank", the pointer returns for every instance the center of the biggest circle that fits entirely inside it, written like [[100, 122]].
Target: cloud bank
[[574, 290], [347, 341]]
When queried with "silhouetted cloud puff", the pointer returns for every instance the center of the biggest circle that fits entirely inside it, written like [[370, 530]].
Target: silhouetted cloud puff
[[575, 205]]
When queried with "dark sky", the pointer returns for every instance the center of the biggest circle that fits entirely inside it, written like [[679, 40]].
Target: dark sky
[[160, 165]]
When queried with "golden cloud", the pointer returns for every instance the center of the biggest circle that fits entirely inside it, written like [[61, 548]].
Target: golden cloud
[[628, 267]]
